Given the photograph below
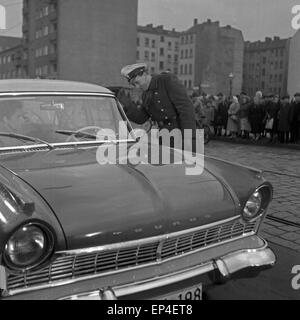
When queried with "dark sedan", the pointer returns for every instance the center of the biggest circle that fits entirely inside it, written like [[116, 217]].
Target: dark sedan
[[72, 227]]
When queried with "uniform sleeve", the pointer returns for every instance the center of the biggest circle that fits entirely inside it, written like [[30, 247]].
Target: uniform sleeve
[[183, 105], [136, 113]]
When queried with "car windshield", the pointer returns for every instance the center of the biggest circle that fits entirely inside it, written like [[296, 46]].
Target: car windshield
[[58, 119]]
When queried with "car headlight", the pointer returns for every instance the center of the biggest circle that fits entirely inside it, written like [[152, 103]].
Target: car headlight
[[253, 205], [28, 247], [257, 203]]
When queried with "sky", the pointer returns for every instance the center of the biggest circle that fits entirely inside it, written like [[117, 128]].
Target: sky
[[256, 18]]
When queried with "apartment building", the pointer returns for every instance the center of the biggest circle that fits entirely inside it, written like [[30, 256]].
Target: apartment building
[[209, 53], [158, 47], [266, 66], [79, 40]]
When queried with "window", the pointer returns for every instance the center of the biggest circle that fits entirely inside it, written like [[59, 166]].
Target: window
[[45, 51], [191, 69], [186, 53], [161, 52], [46, 30], [275, 77], [281, 64], [185, 83], [162, 39], [153, 56], [153, 43], [138, 41], [280, 77], [152, 70], [46, 11], [263, 72], [169, 58], [191, 38], [9, 59], [191, 53], [146, 42], [182, 39], [176, 58], [137, 55], [146, 55], [276, 65], [181, 69], [190, 84], [185, 69], [45, 69], [169, 45], [161, 65], [176, 46], [181, 54]]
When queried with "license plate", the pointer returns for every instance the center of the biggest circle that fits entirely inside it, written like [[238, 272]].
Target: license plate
[[190, 293]]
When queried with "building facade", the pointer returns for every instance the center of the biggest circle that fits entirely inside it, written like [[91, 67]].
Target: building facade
[[294, 65], [79, 40], [208, 55], [266, 66], [10, 57], [158, 47], [12, 63]]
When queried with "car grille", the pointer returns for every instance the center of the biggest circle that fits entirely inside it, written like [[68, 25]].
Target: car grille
[[76, 266]]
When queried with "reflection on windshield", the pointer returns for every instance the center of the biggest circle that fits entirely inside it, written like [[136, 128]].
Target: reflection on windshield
[[46, 117]]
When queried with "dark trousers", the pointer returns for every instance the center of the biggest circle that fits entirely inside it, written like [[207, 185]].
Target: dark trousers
[[284, 136], [295, 132]]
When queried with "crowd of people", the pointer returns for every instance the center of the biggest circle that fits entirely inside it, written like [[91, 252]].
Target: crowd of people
[[262, 116]]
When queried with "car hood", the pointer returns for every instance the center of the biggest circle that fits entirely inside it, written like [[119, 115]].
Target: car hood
[[102, 204]]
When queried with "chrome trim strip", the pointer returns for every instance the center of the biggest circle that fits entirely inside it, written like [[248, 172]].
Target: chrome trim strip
[[59, 93], [110, 273], [164, 237], [232, 263]]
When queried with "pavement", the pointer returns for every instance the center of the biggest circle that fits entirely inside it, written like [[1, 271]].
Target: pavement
[[281, 167]]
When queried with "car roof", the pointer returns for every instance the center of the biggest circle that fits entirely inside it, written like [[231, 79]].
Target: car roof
[[46, 85]]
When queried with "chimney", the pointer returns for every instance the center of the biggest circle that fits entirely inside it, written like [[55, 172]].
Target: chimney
[[208, 20], [228, 26], [276, 38], [195, 22], [149, 25], [160, 27], [268, 39]]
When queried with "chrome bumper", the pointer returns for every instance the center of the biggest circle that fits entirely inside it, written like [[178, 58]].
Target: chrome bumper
[[225, 266]]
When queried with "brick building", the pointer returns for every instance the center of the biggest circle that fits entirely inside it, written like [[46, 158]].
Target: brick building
[[266, 66], [79, 40]]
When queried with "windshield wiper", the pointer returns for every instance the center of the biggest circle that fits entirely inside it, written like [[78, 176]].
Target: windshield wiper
[[77, 134], [25, 138]]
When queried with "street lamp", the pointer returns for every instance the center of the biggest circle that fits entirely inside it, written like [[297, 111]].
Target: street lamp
[[231, 76]]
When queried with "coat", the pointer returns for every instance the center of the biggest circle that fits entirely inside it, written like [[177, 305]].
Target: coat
[[233, 119], [166, 102], [285, 117], [256, 117], [221, 114]]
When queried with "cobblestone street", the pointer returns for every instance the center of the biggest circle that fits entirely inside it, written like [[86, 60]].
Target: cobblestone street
[[282, 168]]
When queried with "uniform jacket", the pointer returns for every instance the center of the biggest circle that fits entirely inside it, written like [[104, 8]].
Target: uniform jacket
[[166, 102]]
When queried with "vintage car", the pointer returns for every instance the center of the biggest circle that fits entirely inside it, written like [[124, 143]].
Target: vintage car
[[72, 227]]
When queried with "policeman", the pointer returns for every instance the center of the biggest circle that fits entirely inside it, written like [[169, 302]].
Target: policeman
[[165, 101]]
